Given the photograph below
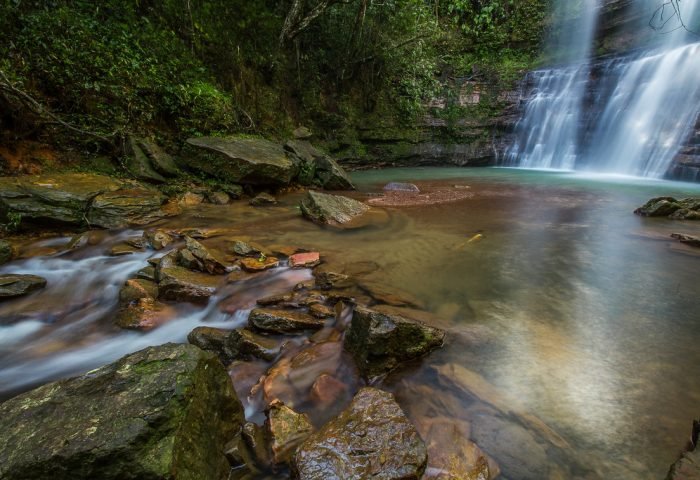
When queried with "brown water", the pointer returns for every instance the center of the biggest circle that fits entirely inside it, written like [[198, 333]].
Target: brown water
[[572, 323]]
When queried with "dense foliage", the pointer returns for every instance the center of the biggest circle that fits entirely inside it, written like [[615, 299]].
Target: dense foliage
[[183, 67]]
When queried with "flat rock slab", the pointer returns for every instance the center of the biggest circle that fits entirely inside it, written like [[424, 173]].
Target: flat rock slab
[[252, 161], [15, 285], [305, 260], [251, 264], [333, 210], [372, 438], [381, 342], [161, 413], [283, 321]]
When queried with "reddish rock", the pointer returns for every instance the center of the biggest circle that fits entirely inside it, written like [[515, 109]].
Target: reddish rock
[[259, 264], [304, 260], [327, 391]]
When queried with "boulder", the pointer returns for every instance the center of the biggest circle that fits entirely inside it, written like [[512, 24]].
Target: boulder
[[262, 200], [200, 258], [372, 438], [179, 284], [245, 343], [286, 429], [282, 321], [157, 239], [380, 342], [136, 289], [218, 198], [685, 209], [15, 285], [128, 206], [190, 199], [61, 198], [333, 210], [317, 168], [242, 160], [142, 314], [213, 340], [139, 165], [160, 161], [162, 413], [7, 252], [302, 133], [331, 176], [245, 249]]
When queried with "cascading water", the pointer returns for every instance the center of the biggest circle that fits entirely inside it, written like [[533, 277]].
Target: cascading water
[[628, 115]]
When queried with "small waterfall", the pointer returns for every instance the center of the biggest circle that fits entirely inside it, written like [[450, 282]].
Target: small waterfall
[[629, 115]]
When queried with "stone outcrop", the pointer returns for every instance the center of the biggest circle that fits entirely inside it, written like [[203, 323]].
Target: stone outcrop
[[372, 438], [381, 342], [161, 413]]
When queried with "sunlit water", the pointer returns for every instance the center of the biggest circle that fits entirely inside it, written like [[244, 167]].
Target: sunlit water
[[573, 324]]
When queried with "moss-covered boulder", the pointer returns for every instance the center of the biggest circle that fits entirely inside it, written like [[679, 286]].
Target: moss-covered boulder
[[333, 210], [380, 342], [372, 438], [270, 320], [162, 413], [684, 209], [286, 429], [317, 168], [252, 161]]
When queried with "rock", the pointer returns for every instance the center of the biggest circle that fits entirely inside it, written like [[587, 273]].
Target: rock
[[327, 279], [249, 344], [245, 249], [162, 413], [687, 467], [282, 321], [142, 314], [213, 340], [202, 259], [401, 187], [331, 175], [160, 161], [687, 239], [122, 249], [327, 391], [685, 209], [305, 260], [263, 199], [7, 252], [147, 273], [250, 161], [136, 289], [179, 284], [372, 438], [332, 210], [275, 299], [302, 133], [190, 199], [78, 241], [259, 264], [257, 444], [218, 198], [139, 165], [128, 206], [157, 239], [287, 429], [15, 285], [319, 310], [61, 198], [380, 342]]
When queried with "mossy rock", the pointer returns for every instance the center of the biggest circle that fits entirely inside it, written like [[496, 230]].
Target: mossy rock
[[165, 412]]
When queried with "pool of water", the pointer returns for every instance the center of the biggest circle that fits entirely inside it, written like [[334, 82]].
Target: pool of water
[[572, 323]]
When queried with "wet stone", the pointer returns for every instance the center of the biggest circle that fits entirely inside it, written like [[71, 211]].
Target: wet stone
[[259, 264], [287, 429], [136, 289], [147, 273], [213, 340], [142, 314], [197, 257], [263, 200], [319, 310], [374, 425], [157, 239], [282, 321], [327, 391], [305, 260], [7, 252], [246, 343], [244, 249], [16, 285], [123, 249]]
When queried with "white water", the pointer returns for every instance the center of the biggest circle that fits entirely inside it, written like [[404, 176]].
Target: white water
[[638, 112], [66, 328]]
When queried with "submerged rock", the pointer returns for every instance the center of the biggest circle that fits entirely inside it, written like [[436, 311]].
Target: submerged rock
[[372, 438], [334, 210], [15, 285], [283, 321], [305, 260], [262, 200], [252, 161], [401, 187], [287, 429], [687, 239], [259, 264], [162, 413], [380, 342]]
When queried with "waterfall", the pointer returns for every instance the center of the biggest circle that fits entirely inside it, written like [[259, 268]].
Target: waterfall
[[628, 115]]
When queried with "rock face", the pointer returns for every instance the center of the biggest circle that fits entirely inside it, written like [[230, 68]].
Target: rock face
[[331, 210], [372, 438], [380, 342], [75, 198], [250, 161], [13, 285], [162, 413], [685, 209]]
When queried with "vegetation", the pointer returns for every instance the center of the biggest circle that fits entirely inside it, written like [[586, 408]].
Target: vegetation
[[177, 68]]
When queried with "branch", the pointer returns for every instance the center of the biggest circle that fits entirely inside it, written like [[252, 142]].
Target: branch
[[658, 23], [294, 24], [9, 90]]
